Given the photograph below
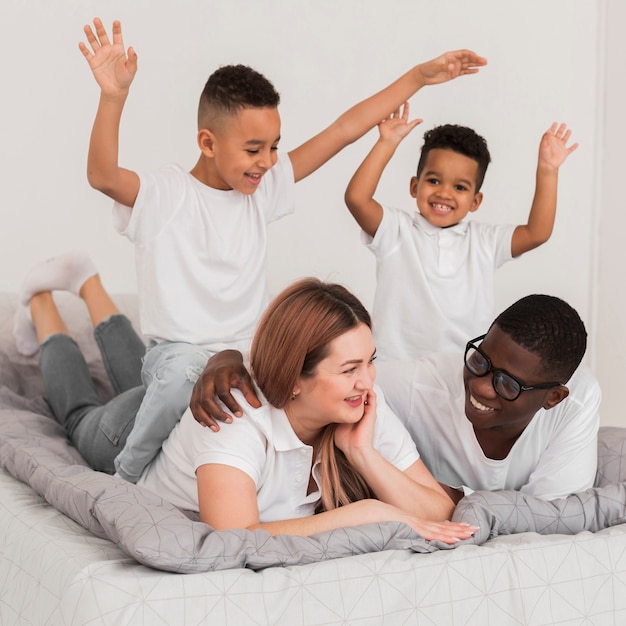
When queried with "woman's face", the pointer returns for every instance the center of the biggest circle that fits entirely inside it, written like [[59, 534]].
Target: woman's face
[[337, 391]]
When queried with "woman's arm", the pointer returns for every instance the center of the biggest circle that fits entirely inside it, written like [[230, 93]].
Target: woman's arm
[[414, 490], [218, 508]]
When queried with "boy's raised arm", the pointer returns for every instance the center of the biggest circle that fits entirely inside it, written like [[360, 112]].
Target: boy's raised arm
[[114, 70], [362, 117], [360, 192], [553, 151]]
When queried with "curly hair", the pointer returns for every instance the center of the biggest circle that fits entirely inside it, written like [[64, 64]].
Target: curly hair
[[232, 88], [459, 139], [550, 328]]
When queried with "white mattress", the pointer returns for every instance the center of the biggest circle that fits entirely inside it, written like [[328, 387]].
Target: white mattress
[[53, 571]]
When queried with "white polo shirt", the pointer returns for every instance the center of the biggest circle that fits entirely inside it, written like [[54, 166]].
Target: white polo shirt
[[435, 286], [262, 444]]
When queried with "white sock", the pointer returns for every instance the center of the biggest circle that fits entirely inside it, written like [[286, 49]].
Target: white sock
[[66, 272], [24, 331]]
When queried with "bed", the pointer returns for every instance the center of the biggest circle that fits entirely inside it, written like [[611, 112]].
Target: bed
[[81, 547]]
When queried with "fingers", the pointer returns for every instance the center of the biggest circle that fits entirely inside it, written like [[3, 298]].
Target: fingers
[[250, 395], [100, 39], [224, 381], [131, 64], [447, 532], [101, 32], [204, 408], [117, 33], [563, 134], [464, 61]]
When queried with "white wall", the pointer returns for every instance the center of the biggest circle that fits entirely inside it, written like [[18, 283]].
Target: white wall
[[545, 64], [610, 298]]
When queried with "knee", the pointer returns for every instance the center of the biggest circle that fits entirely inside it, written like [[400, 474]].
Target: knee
[[174, 376]]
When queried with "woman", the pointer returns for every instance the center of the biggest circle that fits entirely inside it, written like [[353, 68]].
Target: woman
[[323, 440]]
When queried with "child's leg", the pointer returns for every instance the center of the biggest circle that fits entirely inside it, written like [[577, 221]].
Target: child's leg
[[66, 272], [97, 431], [170, 371], [121, 348]]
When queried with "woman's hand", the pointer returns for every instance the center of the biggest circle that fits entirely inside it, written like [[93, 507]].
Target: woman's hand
[[358, 437], [372, 511], [447, 532]]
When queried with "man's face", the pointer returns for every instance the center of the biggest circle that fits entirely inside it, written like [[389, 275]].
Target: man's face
[[445, 191], [485, 409], [244, 149]]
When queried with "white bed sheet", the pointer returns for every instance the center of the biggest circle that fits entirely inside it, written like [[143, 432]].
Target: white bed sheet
[[55, 572]]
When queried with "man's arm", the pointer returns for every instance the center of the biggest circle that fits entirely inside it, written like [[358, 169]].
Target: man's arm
[[114, 70], [553, 151], [223, 372], [362, 117], [360, 192]]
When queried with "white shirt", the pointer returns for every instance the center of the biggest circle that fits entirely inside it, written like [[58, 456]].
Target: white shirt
[[435, 286], [555, 455], [200, 254], [262, 444]]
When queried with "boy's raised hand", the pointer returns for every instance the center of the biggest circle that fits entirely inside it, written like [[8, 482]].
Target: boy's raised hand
[[112, 67], [553, 149], [396, 127], [451, 65]]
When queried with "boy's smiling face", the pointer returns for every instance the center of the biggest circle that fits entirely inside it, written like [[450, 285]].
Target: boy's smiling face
[[446, 189], [241, 149]]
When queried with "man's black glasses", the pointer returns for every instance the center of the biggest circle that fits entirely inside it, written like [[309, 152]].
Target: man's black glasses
[[504, 384]]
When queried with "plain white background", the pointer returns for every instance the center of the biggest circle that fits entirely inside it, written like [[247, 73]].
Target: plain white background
[[548, 61]]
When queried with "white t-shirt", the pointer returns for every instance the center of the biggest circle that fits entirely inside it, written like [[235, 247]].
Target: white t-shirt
[[435, 286], [200, 254], [555, 455], [262, 444]]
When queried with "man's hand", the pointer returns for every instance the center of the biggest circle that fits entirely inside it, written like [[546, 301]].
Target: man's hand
[[223, 372], [553, 149], [451, 65], [112, 67]]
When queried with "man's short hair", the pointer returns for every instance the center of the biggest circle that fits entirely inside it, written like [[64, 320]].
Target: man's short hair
[[459, 139], [550, 328], [232, 88]]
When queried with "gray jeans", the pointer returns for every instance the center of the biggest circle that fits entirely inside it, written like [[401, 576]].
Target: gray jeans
[[98, 431]]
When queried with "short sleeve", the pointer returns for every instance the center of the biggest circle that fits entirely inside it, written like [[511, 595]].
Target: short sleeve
[[387, 238], [161, 194], [277, 192], [239, 444], [569, 463]]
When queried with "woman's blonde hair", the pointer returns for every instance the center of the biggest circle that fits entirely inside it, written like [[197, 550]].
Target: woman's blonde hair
[[291, 339]]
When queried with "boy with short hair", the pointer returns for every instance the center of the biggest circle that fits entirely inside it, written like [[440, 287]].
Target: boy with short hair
[[435, 272], [200, 236]]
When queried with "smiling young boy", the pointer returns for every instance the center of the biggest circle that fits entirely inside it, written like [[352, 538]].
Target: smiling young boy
[[435, 272], [200, 236]]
